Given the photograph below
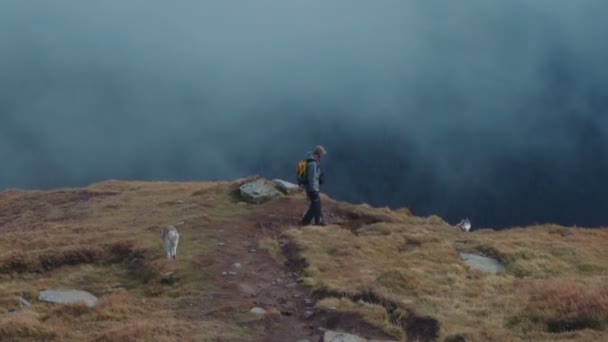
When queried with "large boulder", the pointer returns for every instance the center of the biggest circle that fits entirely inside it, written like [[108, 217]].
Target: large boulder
[[258, 191], [67, 297], [286, 187]]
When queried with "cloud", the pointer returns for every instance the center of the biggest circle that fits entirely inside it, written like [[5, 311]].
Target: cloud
[[496, 111]]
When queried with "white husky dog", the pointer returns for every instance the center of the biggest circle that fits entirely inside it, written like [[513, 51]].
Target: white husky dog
[[170, 238], [464, 225]]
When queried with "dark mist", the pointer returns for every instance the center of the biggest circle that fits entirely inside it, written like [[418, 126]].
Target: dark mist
[[496, 111]]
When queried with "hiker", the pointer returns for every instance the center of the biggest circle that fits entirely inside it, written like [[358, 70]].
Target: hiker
[[311, 182]]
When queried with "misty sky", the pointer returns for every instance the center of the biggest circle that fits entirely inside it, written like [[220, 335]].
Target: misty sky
[[493, 110]]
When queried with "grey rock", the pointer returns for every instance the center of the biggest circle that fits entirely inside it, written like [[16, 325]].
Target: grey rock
[[482, 263], [335, 336], [237, 265], [258, 191], [258, 311], [232, 273], [286, 187], [67, 297], [221, 244], [291, 285]]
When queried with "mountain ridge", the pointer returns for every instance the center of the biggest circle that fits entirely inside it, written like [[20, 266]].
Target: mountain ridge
[[376, 272]]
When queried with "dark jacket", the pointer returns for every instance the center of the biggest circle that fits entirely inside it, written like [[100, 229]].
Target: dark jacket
[[313, 173]]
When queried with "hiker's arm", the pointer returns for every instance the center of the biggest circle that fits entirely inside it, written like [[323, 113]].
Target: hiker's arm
[[311, 173]]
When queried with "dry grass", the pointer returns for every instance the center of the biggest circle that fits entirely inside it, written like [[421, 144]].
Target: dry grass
[[565, 306], [401, 273], [272, 247], [27, 327], [413, 264], [105, 239]]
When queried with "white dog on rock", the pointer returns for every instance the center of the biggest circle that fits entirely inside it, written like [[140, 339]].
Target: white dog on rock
[[170, 238]]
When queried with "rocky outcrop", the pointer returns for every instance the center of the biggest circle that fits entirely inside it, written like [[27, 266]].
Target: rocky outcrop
[[286, 187], [258, 191]]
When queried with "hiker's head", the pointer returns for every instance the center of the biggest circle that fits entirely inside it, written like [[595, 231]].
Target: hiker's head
[[319, 151]]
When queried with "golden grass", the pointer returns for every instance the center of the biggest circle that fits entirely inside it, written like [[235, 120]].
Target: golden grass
[[395, 270], [271, 245], [26, 326], [106, 239], [413, 263]]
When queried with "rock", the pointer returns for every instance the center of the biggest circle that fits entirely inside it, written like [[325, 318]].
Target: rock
[[23, 303], [67, 297], [258, 311], [221, 244], [232, 273], [286, 187], [224, 273], [258, 191], [252, 250], [236, 265], [291, 285], [482, 263], [334, 336]]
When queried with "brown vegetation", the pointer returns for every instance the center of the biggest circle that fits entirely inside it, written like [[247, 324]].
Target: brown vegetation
[[377, 272]]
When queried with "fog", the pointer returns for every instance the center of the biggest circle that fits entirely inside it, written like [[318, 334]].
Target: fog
[[495, 111]]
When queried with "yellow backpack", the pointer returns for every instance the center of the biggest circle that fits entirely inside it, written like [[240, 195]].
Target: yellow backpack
[[301, 169]]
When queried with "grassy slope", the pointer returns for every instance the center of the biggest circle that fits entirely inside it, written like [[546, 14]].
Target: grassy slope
[[65, 226], [397, 271], [556, 277]]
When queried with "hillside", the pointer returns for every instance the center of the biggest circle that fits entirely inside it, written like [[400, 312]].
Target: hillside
[[373, 272]]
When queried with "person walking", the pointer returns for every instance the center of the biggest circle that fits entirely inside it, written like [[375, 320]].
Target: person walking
[[313, 180]]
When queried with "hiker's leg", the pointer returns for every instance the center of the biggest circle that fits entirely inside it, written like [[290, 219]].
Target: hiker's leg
[[316, 204], [320, 211], [310, 213]]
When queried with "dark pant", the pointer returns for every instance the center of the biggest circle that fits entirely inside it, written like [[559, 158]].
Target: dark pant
[[314, 209]]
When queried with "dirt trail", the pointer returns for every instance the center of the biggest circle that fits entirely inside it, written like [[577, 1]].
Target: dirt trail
[[263, 282]]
